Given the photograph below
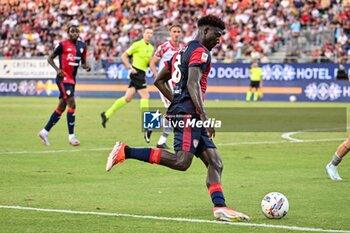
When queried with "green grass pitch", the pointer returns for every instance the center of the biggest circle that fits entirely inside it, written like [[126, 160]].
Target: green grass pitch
[[62, 177]]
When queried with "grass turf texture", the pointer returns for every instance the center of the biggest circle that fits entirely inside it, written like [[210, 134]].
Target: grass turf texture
[[75, 179]]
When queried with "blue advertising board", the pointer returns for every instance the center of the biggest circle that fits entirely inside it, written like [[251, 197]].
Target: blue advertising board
[[277, 72], [307, 82]]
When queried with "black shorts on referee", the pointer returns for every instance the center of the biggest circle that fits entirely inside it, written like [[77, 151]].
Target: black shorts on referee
[[255, 84], [138, 80]]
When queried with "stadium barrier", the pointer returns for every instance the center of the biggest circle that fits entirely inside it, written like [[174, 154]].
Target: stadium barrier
[[307, 82]]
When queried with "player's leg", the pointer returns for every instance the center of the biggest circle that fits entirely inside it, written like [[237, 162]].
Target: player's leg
[[129, 94], [144, 106], [249, 94], [140, 85], [213, 162], [256, 94], [71, 118], [211, 158], [144, 102], [332, 166], [167, 129], [55, 116], [260, 91], [119, 103], [181, 160]]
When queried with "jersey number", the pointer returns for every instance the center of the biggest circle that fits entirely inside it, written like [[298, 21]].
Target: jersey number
[[176, 75]]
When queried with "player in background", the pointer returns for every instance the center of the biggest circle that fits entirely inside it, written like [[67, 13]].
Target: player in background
[[189, 70], [342, 150], [256, 74], [71, 52], [141, 52], [163, 53], [332, 166]]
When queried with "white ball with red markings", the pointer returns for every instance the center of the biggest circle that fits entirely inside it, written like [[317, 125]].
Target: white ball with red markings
[[275, 205]]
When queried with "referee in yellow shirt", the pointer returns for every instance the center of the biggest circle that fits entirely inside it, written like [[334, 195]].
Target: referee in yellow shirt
[[141, 52], [256, 74]]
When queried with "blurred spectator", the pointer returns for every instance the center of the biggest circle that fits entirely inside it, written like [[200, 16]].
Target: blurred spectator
[[295, 27], [341, 73], [342, 39]]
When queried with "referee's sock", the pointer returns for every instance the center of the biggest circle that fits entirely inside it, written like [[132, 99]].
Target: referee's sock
[[249, 95], [119, 103], [144, 104], [256, 96]]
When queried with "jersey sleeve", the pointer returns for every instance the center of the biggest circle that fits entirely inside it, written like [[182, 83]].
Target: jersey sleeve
[[261, 72], [168, 63], [59, 49], [159, 52], [132, 49], [199, 58]]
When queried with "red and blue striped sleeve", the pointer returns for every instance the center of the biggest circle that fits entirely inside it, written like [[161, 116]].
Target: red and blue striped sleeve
[[199, 58]]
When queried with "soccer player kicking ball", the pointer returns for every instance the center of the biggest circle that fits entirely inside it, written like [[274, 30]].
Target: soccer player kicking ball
[[71, 52], [188, 69]]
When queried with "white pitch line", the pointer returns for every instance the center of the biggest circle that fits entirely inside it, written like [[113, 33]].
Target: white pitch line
[[288, 137], [294, 228], [278, 142], [249, 143], [218, 144], [52, 151]]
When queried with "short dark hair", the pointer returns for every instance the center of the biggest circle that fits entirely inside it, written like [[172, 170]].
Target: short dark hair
[[211, 20], [70, 26]]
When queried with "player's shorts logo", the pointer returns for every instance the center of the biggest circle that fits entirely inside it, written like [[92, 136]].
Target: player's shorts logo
[[152, 120], [195, 143]]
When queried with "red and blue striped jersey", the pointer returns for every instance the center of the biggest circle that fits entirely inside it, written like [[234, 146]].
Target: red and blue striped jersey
[[70, 56], [193, 55]]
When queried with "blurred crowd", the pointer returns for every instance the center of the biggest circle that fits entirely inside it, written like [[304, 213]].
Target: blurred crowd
[[256, 29]]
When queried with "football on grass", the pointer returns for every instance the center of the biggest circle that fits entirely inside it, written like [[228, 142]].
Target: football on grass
[[275, 205]]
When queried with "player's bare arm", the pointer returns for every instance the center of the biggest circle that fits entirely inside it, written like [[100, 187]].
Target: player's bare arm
[[194, 88], [52, 63], [85, 65], [161, 82], [152, 65], [125, 59]]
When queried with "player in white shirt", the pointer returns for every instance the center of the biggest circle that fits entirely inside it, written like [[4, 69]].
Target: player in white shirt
[[164, 53]]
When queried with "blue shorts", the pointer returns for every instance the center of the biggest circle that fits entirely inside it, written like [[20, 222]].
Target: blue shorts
[[66, 90], [191, 139]]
